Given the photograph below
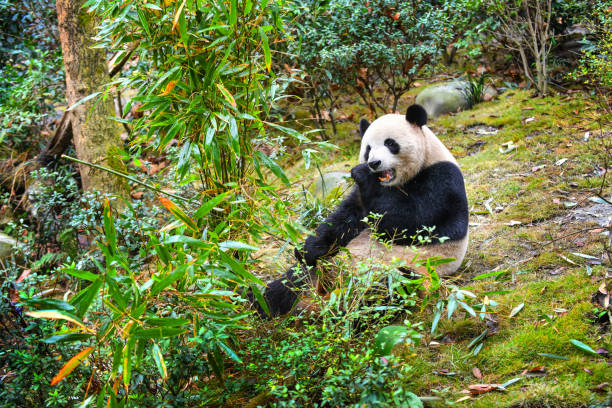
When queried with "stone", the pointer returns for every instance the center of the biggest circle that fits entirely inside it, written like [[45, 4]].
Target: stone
[[7, 245], [448, 97], [331, 185]]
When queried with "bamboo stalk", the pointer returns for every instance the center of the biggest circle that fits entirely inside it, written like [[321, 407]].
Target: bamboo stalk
[[125, 176]]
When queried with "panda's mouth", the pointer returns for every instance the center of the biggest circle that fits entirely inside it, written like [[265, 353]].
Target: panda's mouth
[[386, 176]]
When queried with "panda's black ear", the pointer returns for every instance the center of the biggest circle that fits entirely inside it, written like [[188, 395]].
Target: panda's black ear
[[416, 115], [363, 126]]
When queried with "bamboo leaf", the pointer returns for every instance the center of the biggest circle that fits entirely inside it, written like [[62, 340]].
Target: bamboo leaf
[[85, 99], [159, 361], [66, 338], [57, 315], [555, 356], [275, 168], [180, 214], [109, 225], [71, 365], [516, 310], [178, 15], [226, 94], [238, 269], [158, 333], [166, 322], [583, 347], [209, 205], [236, 245], [169, 87], [266, 49]]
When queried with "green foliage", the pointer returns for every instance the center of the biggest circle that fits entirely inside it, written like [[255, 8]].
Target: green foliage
[[316, 365], [203, 79], [596, 62], [358, 45], [31, 73], [29, 364]]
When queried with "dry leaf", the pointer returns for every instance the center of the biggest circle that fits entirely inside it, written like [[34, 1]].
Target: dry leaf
[[477, 373], [477, 389], [538, 371], [169, 87]]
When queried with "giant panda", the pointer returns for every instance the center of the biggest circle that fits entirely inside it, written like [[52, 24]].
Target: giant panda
[[406, 175]]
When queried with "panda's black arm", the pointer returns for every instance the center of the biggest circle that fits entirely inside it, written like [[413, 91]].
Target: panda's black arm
[[338, 229], [434, 197]]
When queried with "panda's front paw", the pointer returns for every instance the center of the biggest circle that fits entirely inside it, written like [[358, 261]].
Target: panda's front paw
[[361, 173], [315, 247]]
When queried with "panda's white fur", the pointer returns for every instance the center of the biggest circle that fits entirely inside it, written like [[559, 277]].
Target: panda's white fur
[[419, 148]]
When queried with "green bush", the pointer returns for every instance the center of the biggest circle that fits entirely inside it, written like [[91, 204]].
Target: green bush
[[31, 72], [362, 45]]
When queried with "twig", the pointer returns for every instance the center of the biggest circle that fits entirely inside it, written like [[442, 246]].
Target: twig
[[117, 68], [125, 176], [568, 235]]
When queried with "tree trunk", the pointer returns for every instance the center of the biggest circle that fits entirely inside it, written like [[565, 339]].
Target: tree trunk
[[96, 138]]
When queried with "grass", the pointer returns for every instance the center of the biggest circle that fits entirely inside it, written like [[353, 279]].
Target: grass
[[520, 203]]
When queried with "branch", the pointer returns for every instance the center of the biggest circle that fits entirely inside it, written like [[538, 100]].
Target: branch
[[125, 176], [58, 143], [117, 68]]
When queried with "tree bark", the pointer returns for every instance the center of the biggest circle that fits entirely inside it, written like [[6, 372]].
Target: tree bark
[[96, 137]]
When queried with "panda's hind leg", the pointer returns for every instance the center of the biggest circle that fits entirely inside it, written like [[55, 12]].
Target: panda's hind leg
[[365, 247]]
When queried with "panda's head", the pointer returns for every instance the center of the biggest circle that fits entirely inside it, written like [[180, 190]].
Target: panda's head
[[394, 145]]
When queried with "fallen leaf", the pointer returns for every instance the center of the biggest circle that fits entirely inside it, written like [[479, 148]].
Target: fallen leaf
[[601, 387], [582, 346], [586, 370], [477, 373], [560, 162], [477, 389], [529, 119], [602, 351], [444, 372], [507, 147], [517, 309], [512, 223], [555, 356], [538, 371], [467, 397], [137, 195]]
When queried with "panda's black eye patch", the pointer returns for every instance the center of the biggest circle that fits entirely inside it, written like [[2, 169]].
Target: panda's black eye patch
[[367, 152], [392, 146]]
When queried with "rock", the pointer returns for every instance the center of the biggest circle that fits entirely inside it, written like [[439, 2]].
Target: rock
[[7, 245], [573, 41], [448, 97], [330, 185]]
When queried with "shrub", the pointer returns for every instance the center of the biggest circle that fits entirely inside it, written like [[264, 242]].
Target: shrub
[[361, 45]]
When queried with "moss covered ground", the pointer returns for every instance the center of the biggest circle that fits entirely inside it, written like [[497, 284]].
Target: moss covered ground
[[530, 164]]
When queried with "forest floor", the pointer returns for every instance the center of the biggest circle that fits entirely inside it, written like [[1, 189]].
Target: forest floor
[[533, 170]]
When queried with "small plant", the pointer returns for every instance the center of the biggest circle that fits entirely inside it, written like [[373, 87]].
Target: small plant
[[475, 89]]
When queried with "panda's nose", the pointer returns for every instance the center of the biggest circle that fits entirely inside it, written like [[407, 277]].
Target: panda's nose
[[374, 164]]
